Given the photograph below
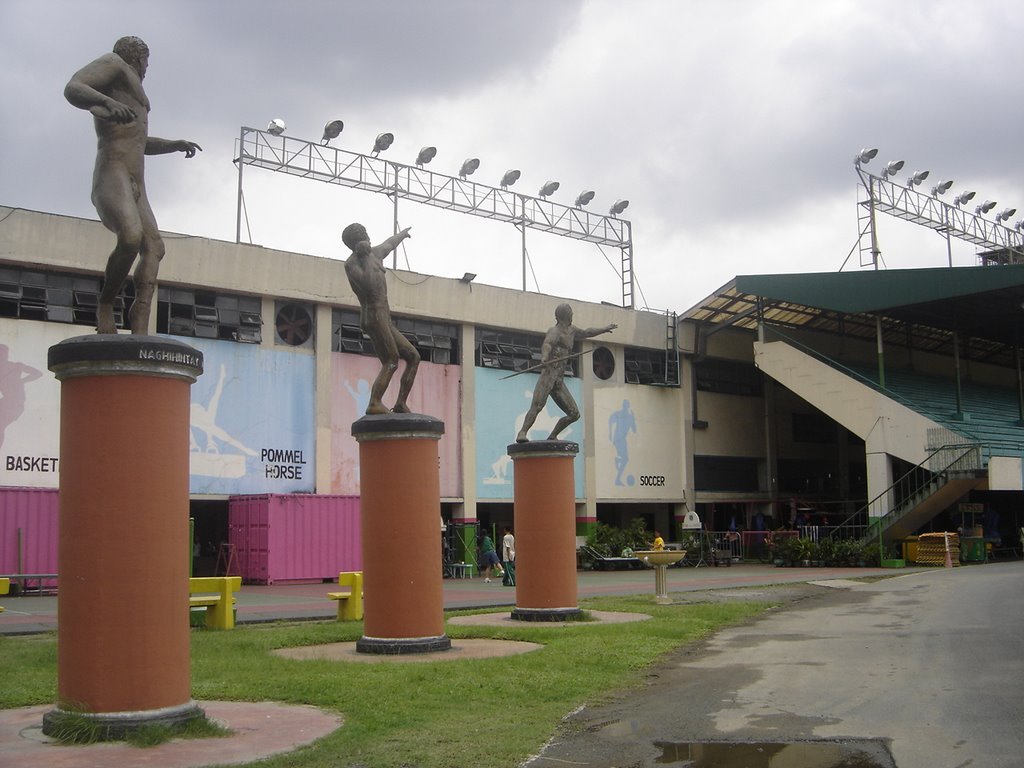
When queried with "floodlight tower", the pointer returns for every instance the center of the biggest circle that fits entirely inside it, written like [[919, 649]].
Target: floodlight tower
[[951, 220], [273, 150]]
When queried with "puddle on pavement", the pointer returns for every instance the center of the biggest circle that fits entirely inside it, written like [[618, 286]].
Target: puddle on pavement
[[774, 755]]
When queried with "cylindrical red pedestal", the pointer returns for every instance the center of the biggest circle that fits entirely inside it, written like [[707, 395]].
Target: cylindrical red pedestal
[[545, 515], [123, 627], [400, 507]]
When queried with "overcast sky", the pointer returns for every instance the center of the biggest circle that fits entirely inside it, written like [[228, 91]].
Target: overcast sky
[[730, 126]]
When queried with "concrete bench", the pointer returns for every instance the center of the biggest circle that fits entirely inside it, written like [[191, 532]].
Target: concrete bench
[[215, 594], [350, 602], [5, 587]]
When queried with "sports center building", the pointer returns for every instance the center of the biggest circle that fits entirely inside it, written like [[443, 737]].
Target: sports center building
[[815, 398]]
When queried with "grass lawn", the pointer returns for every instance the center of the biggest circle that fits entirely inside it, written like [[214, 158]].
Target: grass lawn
[[488, 712]]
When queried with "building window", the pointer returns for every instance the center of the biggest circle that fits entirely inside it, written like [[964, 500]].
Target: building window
[[56, 297], [514, 351], [436, 342], [727, 377], [209, 315], [725, 473], [603, 363], [647, 366]]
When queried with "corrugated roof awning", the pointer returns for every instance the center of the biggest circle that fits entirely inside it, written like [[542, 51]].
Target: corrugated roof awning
[[877, 291]]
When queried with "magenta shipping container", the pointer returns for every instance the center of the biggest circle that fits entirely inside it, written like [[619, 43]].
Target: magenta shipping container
[[28, 531], [294, 537]]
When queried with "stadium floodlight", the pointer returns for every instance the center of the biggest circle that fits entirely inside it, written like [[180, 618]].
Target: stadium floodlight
[[425, 156], [942, 187], [916, 178], [892, 168], [985, 207], [864, 157], [548, 189], [276, 127], [332, 131], [468, 166], [583, 198], [618, 207], [963, 197], [510, 178], [1005, 214], [382, 142]]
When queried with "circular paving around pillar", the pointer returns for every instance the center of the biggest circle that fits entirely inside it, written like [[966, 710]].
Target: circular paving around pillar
[[461, 649], [259, 730], [504, 619]]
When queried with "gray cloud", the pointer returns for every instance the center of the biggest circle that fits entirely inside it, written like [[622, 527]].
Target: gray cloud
[[731, 126]]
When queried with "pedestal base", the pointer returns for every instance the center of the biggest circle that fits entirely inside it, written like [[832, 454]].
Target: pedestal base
[[403, 609], [545, 515], [396, 646], [113, 726], [123, 635], [546, 614]]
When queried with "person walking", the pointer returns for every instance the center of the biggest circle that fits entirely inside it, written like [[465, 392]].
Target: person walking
[[490, 559], [508, 558]]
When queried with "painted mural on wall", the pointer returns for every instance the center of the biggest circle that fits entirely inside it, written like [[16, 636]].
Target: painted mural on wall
[[29, 404], [501, 406], [251, 415], [638, 444], [252, 427], [436, 393]]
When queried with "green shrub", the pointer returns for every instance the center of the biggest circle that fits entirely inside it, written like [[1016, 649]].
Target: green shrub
[[828, 551], [806, 549], [871, 554], [609, 540], [787, 549]]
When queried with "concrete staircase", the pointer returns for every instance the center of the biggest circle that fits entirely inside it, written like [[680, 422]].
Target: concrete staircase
[[887, 425]]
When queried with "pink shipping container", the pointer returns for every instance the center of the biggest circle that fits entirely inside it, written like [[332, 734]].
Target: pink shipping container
[[294, 537], [28, 531]]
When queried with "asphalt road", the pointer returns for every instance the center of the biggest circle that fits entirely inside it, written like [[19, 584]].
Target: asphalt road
[[926, 669]]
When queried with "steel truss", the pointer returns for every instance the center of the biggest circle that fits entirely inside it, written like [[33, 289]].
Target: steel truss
[[927, 210], [298, 157]]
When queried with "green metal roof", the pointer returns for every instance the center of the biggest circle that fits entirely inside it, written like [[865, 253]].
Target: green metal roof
[[983, 305], [877, 291]]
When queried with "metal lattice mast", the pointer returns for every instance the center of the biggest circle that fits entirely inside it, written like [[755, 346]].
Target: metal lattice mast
[[298, 157]]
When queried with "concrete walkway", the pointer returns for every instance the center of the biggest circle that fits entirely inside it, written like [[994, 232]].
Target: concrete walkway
[[31, 614]]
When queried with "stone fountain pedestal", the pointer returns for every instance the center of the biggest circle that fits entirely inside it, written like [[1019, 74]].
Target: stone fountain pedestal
[[661, 559]]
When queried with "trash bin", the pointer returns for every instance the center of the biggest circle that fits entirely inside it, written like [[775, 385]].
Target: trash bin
[[972, 549]]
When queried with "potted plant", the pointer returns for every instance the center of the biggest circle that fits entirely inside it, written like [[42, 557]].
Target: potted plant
[[805, 551], [871, 554], [827, 552], [786, 550]]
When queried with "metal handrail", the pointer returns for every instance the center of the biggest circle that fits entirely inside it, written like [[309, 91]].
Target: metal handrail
[[906, 489]]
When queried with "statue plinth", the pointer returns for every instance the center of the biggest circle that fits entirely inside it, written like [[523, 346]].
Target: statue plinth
[[123, 634], [400, 510], [545, 515]]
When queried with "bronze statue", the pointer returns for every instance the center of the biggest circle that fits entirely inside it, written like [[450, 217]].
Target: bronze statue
[[111, 89], [555, 352], [366, 275]]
